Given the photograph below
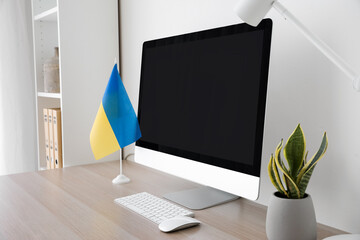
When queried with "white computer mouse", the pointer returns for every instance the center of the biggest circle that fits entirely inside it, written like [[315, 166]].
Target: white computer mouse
[[344, 237], [177, 223]]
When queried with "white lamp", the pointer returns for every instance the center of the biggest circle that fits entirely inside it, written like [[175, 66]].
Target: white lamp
[[253, 11]]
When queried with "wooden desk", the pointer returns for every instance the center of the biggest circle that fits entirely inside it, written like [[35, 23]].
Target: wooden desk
[[77, 203]]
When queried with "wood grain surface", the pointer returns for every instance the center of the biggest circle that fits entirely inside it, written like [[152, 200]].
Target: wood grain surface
[[77, 203]]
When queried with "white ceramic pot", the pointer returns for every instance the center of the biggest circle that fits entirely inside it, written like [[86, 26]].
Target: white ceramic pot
[[290, 218]]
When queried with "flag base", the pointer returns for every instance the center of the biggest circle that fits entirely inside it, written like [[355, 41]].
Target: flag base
[[121, 179]]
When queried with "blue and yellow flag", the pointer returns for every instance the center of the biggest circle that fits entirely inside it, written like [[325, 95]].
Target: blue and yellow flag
[[116, 124]]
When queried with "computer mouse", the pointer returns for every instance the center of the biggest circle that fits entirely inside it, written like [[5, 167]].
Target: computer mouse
[[177, 223], [344, 237]]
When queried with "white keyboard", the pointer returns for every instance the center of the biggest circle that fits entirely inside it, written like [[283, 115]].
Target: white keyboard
[[151, 207]]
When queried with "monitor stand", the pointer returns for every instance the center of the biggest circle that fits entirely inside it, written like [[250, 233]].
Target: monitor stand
[[200, 198]]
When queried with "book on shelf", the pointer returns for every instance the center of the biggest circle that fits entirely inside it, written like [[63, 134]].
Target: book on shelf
[[51, 139], [46, 130], [56, 118]]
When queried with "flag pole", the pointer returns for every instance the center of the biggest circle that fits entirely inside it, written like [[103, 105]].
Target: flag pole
[[120, 151], [121, 178]]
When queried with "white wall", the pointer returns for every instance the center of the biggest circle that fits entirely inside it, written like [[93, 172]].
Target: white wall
[[17, 99], [304, 86], [88, 43]]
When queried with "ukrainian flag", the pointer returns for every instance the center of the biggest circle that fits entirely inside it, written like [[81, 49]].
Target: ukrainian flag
[[116, 124]]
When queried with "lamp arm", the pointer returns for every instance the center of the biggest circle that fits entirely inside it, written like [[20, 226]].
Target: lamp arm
[[322, 46]]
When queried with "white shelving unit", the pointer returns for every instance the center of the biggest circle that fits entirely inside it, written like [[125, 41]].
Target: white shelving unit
[[48, 15], [86, 32], [49, 95]]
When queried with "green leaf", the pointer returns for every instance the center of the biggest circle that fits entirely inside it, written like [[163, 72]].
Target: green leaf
[[305, 180], [305, 158], [318, 155], [303, 163], [294, 151], [293, 190], [274, 176]]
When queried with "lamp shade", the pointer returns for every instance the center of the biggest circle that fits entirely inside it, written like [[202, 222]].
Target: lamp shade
[[253, 11]]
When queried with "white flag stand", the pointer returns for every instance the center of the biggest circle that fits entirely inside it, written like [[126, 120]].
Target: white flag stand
[[120, 179]]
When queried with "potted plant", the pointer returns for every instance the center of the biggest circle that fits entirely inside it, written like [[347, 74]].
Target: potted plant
[[291, 212]]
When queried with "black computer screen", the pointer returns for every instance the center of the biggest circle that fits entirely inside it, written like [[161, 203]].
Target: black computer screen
[[202, 95]]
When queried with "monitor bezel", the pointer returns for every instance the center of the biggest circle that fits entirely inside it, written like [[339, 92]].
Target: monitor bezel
[[266, 27]]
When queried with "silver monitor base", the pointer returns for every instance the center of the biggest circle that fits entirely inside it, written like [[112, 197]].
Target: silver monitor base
[[200, 198]]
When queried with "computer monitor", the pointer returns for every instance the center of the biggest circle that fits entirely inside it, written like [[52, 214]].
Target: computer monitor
[[202, 107]]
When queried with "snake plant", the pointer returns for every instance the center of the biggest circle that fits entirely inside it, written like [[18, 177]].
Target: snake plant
[[296, 174]]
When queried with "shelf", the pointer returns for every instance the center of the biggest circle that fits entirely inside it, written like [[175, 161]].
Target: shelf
[[51, 29], [48, 15], [49, 95]]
